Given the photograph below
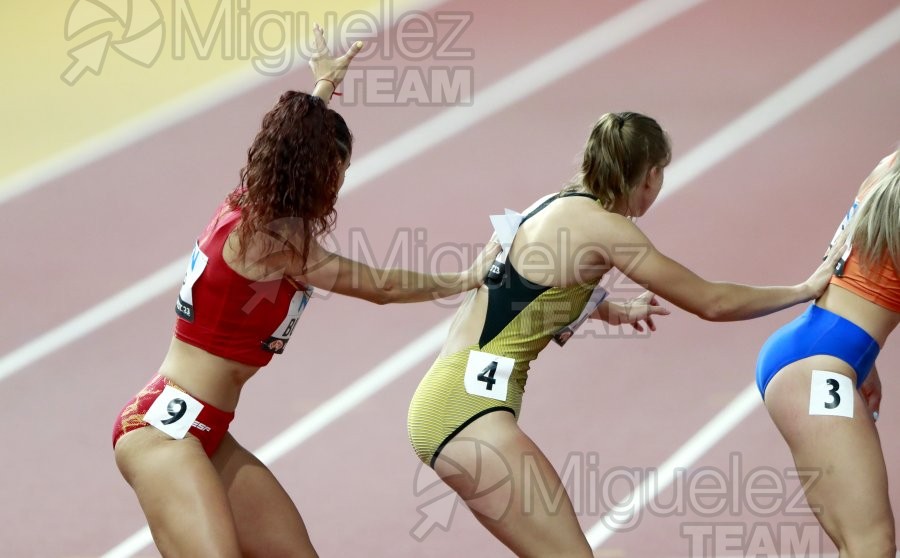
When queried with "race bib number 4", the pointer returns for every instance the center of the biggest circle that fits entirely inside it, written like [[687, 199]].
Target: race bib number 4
[[488, 375], [173, 412], [831, 394]]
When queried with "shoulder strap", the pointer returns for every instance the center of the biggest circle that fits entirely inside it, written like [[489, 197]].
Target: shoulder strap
[[550, 200]]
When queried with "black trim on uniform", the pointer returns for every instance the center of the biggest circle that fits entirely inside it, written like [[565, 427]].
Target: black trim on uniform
[[463, 425], [509, 293], [506, 300]]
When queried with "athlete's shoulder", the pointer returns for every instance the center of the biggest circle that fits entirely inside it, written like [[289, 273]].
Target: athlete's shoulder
[[225, 217]]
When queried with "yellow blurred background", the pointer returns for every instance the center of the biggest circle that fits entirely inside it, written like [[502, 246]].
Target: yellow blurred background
[[81, 75]]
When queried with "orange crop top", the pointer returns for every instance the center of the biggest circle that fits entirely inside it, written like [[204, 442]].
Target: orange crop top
[[880, 286]]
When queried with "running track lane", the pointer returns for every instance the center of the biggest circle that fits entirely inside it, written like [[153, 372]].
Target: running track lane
[[323, 501], [479, 528], [682, 341], [97, 189]]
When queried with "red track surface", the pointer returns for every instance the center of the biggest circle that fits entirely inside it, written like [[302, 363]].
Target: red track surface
[[762, 215]]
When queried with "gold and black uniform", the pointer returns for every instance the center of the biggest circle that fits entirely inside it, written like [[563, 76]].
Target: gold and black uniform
[[522, 317]]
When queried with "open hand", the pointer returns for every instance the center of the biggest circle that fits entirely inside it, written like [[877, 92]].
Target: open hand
[[639, 309], [818, 281], [323, 63]]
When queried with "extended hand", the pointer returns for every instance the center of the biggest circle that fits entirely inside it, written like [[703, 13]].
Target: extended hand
[[639, 309], [870, 390], [323, 63]]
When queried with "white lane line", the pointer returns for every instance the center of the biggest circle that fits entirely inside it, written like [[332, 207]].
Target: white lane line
[[370, 383], [93, 319], [543, 72], [350, 397], [623, 513], [430, 342], [133, 130], [523, 82], [333, 409], [819, 78], [806, 87]]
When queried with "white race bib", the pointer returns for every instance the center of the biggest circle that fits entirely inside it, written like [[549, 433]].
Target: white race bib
[[185, 305], [282, 334], [173, 412], [597, 297], [831, 394], [488, 375]]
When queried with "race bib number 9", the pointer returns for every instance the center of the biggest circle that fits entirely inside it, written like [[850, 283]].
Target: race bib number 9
[[173, 412], [831, 394], [488, 375]]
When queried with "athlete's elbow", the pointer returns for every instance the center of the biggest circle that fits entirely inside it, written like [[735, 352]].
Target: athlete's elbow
[[382, 296], [387, 292], [714, 310]]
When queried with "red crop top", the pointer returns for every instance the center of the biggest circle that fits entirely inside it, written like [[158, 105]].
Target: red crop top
[[229, 315]]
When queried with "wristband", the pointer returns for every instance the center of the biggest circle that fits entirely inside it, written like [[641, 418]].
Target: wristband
[[333, 86]]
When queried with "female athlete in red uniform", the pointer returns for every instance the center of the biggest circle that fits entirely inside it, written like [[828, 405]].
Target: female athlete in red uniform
[[249, 278], [817, 374]]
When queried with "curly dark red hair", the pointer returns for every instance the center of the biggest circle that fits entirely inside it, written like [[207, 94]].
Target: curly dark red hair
[[292, 174]]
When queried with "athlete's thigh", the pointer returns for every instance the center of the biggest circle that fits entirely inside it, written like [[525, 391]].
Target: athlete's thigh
[[268, 523], [180, 493], [840, 455], [511, 486]]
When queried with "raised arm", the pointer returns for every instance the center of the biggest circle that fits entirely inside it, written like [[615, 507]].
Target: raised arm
[[710, 300], [334, 273], [327, 70]]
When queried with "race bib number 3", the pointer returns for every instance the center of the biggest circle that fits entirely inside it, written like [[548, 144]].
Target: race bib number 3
[[488, 375], [831, 394], [173, 412]]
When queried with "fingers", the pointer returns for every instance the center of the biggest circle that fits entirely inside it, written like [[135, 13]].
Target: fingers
[[319, 35], [833, 257], [492, 250], [321, 47], [872, 399], [655, 311], [354, 50], [875, 403]]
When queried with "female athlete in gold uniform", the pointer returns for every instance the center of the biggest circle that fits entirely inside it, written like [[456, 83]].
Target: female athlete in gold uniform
[[545, 282]]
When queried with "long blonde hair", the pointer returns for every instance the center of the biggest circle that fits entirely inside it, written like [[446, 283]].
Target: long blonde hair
[[874, 230]]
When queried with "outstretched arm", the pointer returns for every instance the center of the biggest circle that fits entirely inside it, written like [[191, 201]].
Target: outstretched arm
[[334, 273], [710, 300]]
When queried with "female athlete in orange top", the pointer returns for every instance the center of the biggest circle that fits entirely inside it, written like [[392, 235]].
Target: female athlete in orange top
[[818, 378]]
